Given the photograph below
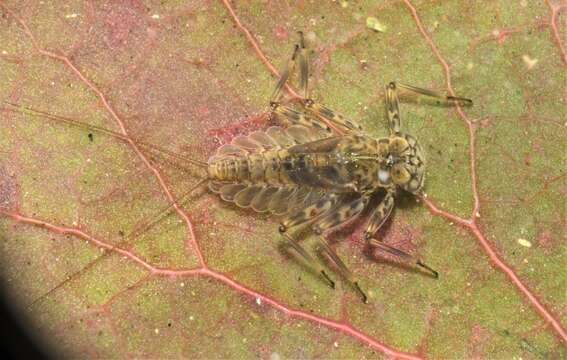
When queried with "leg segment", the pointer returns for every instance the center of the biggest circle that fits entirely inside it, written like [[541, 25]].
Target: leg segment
[[377, 219], [393, 109], [276, 95], [380, 215], [299, 53], [402, 254], [313, 111], [303, 67], [306, 256], [326, 114], [332, 219], [393, 103], [303, 216], [288, 115], [433, 94]]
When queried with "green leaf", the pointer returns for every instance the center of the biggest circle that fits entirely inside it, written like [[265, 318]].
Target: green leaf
[[99, 271]]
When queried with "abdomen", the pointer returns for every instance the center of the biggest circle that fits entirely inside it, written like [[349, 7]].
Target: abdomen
[[267, 167]]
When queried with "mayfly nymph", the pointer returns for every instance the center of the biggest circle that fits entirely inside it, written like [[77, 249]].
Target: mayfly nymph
[[318, 169], [322, 169]]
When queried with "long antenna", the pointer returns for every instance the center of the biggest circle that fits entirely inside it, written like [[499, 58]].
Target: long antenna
[[163, 213], [38, 113]]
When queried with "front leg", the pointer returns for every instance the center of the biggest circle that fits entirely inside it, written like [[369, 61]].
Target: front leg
[[393, 102]]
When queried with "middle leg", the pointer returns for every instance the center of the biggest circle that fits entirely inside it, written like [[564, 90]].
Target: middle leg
[[377, 219]]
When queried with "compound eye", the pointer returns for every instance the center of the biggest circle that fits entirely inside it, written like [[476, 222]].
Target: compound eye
[[398, 145], [413, 186], [399, 174]]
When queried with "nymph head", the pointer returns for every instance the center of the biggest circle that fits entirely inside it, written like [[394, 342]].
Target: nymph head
[[403, 163]]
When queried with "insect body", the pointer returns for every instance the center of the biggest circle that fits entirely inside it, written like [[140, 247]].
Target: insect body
[[277, 163], [322, 169], [319, 169]]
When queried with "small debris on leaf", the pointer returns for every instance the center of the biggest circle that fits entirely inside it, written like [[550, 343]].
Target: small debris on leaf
[[530, 63], [375, 24], [524, 242]]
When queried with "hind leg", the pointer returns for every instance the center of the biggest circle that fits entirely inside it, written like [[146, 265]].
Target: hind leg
[[314, 114], [339, 216], [304, 216]]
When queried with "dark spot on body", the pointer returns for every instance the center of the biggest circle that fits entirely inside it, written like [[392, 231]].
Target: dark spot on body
[[301, 162]]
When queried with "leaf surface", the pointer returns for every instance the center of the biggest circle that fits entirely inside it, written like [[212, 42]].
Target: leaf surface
[[210, 280]]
